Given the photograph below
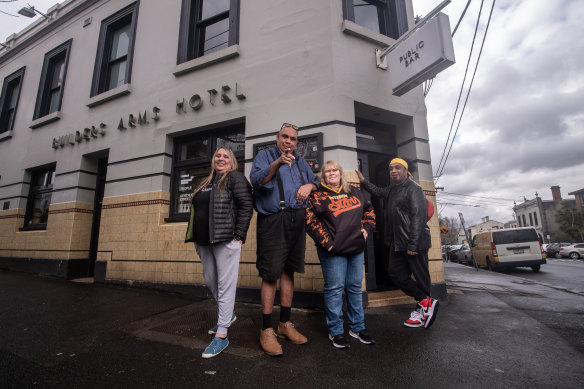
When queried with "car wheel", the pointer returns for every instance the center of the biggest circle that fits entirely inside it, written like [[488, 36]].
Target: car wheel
[[558, 255], [489, 265], [536, 268], [574, 255]]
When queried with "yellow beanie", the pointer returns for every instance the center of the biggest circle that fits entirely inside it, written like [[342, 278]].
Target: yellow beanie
[[401, 162]]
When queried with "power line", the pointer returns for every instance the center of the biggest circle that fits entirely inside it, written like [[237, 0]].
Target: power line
[[469, 88], [481, 197], [460, 93], [461, 16]]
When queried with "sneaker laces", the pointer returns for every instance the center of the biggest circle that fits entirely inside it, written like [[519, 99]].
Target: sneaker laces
[[417, 315]]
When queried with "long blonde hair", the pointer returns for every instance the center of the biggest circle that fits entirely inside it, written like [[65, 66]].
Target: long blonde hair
[[209, 178], [336, 165]]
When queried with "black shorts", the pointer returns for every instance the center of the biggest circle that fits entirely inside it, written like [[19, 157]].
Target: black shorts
[[281, 240]]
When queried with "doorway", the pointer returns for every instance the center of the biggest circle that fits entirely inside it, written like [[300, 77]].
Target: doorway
[[97, 204]]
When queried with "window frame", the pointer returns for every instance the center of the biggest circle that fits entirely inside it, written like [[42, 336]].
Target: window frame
[[9, 81], [35, 190], [199, 162], [101, 72], [190, 45], [43, 101], [393, 19]]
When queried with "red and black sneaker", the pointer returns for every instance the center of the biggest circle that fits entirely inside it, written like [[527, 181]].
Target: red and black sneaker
[[416, 319], [429, 309]]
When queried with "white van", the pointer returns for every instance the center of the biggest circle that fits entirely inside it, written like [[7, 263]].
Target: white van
[[507, 248]]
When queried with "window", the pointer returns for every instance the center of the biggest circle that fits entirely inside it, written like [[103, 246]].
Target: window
[[9, 99], [387, 17], [192, 163], [530, 220], [113, 62], [519, 220], [207, 26], [52, 81], [535, 217], [524, 223], [39, 198]]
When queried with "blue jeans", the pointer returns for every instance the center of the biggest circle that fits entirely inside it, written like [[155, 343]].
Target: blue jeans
[[342, 273]]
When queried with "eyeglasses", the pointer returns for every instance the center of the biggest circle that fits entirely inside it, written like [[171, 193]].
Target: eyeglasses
[[289, 125]]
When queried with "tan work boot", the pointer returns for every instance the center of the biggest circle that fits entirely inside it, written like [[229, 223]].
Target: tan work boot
[[287, 330], [269, 342]]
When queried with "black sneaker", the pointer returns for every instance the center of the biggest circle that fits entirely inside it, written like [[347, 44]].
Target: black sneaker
[[339, 341], [363, 336]]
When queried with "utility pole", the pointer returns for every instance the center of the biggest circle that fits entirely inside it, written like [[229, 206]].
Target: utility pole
[[467, 234]]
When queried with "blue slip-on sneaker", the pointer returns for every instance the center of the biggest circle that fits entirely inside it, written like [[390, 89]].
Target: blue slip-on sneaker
[[215, 347], [213, 330]]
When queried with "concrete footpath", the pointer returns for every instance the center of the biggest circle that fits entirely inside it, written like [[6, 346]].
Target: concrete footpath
[[494, 331]]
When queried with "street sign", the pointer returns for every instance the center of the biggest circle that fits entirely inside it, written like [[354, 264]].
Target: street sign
[[421, 56]]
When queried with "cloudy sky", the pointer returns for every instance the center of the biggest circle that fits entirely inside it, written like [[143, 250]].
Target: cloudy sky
[[523, 126]]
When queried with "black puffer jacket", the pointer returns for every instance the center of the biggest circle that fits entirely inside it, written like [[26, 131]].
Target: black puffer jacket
[[231, 209], [406, 211]]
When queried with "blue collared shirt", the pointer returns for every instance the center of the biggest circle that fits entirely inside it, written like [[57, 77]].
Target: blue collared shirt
[[267, 197]]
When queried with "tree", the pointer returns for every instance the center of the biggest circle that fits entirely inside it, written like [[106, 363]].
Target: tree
[[451, 237], [571, 221]]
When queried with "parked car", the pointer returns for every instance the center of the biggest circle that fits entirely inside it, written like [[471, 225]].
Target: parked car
[[573, 251], [553, 250], [462, 255], [450, 252]]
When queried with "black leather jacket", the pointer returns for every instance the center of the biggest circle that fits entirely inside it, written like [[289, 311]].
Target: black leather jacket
[[231, 209], [406, 213]]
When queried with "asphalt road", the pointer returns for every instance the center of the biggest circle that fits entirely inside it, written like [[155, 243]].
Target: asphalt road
[[494, 331], [560, 273]]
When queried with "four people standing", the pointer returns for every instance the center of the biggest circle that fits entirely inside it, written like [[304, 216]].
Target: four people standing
[[339, 219]]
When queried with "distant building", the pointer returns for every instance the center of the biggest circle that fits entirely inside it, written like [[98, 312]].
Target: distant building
[[541, 214], [579, 198], [485, 225], [512, 224]]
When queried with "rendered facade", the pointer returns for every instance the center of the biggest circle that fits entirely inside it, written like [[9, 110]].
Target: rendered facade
[[111, 110]]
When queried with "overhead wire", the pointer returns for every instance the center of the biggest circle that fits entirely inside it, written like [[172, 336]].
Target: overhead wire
[[469, 88], [437, 175]]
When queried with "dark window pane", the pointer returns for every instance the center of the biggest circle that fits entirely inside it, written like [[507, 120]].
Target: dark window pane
[[54, 97], [13, 93], [366, 15], [40, 211], [216, 36], [117, 75], [234, 141], [58, 71], [214, 7], [197, 148], [120, 42], [515, 236], [189, 179]]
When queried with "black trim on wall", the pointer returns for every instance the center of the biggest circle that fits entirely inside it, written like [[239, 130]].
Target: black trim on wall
[[74, 187], [308, 127], [139, 158], [414, 139], [16, 183], [74, 172], [138, 177]]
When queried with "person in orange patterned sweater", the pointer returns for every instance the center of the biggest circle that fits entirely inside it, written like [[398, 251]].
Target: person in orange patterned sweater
[[339, 219]]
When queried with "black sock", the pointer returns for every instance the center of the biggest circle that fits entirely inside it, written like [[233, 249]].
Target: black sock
[[267, 321], [285, 314]]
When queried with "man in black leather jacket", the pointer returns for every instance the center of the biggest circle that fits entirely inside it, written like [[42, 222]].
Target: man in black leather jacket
[[408, 238]]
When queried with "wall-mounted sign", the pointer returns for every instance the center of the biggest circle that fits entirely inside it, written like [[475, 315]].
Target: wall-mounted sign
[[88, 133], [422, 55], [196, 101], [309, 147]]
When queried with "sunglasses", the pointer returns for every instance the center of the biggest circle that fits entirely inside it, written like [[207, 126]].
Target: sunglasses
[[289, 125]]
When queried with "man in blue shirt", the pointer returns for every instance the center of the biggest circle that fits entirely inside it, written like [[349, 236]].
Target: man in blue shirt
[[282, 182]]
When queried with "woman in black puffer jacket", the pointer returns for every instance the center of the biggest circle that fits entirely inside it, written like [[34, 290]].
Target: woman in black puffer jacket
[[222, 207]]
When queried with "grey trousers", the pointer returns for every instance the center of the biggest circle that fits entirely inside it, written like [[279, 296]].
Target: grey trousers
[[220, 270]]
